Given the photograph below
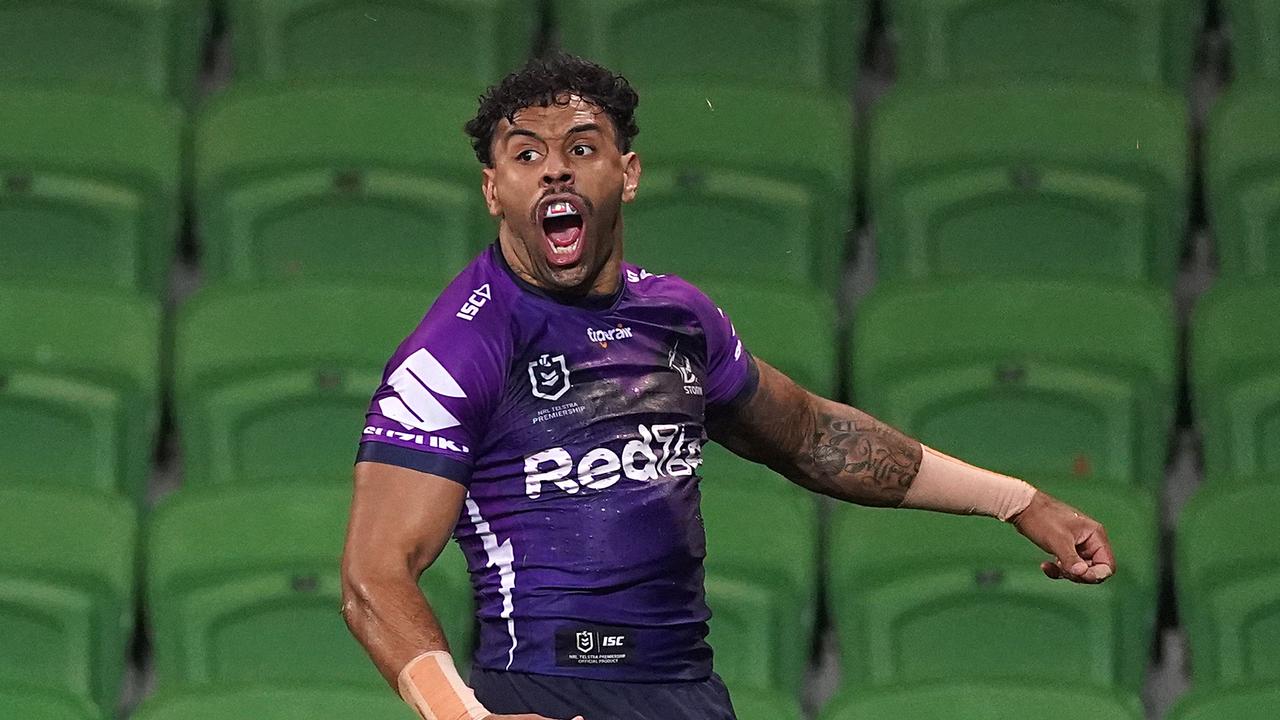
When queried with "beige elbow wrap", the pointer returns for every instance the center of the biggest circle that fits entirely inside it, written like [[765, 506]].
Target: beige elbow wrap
[[431, 685], [946, 484]]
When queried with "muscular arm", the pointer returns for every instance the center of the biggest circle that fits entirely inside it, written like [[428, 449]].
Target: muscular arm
[[400, 521], [845, 453], [820, 444]]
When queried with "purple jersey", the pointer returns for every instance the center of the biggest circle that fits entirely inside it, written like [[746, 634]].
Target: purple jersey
[[577, 430]]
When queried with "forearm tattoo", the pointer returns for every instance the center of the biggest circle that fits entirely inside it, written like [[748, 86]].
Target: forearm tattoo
[[852, 456]]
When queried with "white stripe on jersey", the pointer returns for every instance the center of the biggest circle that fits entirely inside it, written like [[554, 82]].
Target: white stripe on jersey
[[503, 558]]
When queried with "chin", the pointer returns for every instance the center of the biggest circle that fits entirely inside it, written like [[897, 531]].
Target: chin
[[569, 278]]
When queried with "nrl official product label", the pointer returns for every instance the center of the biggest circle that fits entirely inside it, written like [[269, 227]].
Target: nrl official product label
[[579, 645]]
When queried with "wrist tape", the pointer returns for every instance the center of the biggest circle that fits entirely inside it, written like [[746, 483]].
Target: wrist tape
[[949, 485], [432, 686]]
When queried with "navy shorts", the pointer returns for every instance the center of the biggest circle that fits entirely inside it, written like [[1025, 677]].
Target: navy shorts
[[562, 698]]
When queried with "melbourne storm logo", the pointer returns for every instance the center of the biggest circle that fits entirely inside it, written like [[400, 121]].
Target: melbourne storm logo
[[549, 377], [679, 362]]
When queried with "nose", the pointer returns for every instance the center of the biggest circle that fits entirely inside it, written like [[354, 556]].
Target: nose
[[556, 171]]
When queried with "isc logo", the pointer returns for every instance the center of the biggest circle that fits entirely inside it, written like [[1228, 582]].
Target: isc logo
[[611, 641], [471, 307]]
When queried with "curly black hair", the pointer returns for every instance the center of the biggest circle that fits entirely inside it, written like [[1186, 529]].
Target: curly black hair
[[551, 80]]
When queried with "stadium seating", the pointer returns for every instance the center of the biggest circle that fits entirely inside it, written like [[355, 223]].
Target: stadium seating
[[1235, 378], [743, 184], [924, 597], [66, 597], [138, 46], [470, 43], [1242, 168], [79, 387], [275, 702], [779, 43], [244, 586], [272, 384], [1029, 180], [25, 702], [1228, 582], [761, 586], [1036, 379], [791, 329], [1255, 39], [1119, 41], [89, 184], [341, 181], [1241, 702], [984, 701], [749, 704]]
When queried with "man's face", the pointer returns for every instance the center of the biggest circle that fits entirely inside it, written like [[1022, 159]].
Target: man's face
[[558, 182]]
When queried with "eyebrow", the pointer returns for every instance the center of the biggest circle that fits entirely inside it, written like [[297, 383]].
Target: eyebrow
[[521, 131], [585, 127]]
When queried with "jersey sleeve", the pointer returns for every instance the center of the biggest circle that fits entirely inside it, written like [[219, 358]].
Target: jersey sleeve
[[731, 373], [438, 390]]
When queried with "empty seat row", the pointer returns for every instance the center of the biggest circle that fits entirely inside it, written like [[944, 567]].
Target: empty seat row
[[243, 588], [156, 47], [348, 183], [1039, 379]]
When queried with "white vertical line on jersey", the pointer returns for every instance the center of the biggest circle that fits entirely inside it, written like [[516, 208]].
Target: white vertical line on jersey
[[503, 558]]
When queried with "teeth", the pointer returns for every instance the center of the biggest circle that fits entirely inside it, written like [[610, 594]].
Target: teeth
[[559, 209]]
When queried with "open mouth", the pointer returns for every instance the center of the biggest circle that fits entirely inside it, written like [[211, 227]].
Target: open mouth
[[563, 227]]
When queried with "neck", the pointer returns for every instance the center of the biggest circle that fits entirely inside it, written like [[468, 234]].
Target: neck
[[605, 281]]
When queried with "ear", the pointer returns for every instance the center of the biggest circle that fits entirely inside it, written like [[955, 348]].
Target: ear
[[490, 188], [630, 176]]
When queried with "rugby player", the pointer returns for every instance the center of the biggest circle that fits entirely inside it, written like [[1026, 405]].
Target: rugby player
[[549, 412]]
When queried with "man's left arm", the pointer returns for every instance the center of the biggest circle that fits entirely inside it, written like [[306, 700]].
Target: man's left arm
[[840, 451]]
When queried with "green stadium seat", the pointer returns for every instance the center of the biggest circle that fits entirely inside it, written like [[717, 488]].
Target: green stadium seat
[[79, 388], [66, 598], [719, 200], [984, 701], [761, 587], [791, 329], [779, 43], [1029, 180], [1035, 379], [1118, 41], [468, 43], [275, 702], [764, 705], [89, 185], [338, 181], [1239, 702], [262, 369], [139, 46], [1235, 379], [244, 586], [1243, 181], [1228, 582], [1255, 39], [34, 704], [923, 597]]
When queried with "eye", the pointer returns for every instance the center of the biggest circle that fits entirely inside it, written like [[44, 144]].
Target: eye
[[527, 155], [582, 150]]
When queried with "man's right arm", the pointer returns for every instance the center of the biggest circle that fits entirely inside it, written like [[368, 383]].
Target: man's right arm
[[400, 521]]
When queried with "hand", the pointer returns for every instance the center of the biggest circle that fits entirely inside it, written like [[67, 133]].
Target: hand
[[1079, 544], [529, 716]]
